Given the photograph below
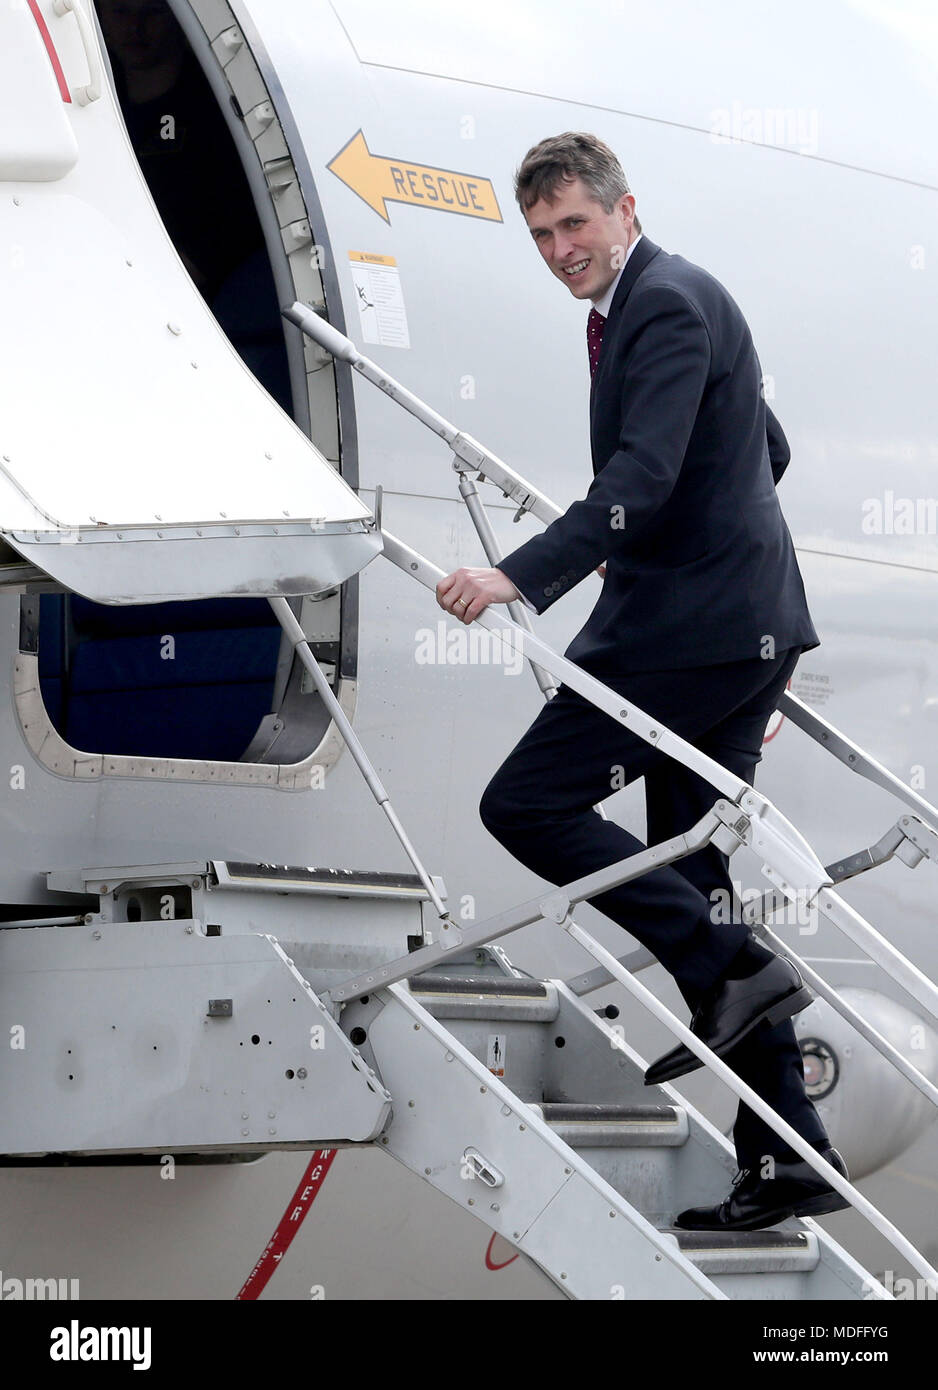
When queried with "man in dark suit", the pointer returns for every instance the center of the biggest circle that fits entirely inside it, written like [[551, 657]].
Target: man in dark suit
[[700, 623]]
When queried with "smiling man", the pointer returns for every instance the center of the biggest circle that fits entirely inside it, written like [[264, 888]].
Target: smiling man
[[700, 623]]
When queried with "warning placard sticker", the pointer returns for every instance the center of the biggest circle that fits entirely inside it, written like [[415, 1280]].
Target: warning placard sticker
[[380, 298]]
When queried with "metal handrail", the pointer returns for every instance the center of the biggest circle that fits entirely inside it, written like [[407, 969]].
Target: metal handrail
[[471, 456], [765, 828], [641, 959], [852, 755], [778, 842], [789, 862], [866, 1030], [755, 1102]]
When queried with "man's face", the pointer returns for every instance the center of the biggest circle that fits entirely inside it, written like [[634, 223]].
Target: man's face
[[574, 229]]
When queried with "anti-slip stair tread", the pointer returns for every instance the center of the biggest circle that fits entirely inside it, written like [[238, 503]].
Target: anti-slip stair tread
[[740, 1240], [562, 1111], [629, 1129], [466, 984], [783, 1255]]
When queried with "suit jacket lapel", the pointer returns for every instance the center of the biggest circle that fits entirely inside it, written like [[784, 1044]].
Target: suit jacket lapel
[[644, 252]]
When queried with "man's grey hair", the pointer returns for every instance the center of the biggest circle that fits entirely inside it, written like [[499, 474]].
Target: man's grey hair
[[575, 154]]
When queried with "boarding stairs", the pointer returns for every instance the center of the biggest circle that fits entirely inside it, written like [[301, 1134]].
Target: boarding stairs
[[196, 988], [617, 1160]]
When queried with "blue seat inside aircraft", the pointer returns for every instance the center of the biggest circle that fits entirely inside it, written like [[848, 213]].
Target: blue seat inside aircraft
[[162, 680]]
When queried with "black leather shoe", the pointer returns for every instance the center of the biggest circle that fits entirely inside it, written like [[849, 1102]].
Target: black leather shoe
[[731, 1009], [795, 1190]]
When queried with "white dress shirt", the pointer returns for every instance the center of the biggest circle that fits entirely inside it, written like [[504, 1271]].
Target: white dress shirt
[[602, 306], [604, 303]]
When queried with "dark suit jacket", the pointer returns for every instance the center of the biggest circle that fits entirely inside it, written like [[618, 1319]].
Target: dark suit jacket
[[700, 566]]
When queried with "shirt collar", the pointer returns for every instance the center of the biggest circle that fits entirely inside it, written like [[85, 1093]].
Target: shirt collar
[[602, 306]]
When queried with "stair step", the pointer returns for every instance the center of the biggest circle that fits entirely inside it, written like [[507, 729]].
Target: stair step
[[615, 1126], [429, 983], [656, 1153], [485, 997], [747, 1252]]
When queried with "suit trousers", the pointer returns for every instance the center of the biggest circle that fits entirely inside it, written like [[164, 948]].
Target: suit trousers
[[539, 806]]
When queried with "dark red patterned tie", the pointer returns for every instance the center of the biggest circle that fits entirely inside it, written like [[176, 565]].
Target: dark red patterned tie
[[594, 338]]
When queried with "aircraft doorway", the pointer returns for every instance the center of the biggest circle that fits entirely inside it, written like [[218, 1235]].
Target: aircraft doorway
[[195, 176], [231, 690]]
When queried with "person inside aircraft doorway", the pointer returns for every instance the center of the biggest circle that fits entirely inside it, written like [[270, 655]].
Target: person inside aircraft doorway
[[701, 620]]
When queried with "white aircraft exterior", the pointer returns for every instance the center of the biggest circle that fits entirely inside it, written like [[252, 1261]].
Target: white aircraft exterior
[[144, 462]]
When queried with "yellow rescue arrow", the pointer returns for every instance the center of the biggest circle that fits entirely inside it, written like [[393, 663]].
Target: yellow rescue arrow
[[379, 180]]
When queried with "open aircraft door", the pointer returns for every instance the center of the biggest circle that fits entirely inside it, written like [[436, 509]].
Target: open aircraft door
[[140, 460]]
